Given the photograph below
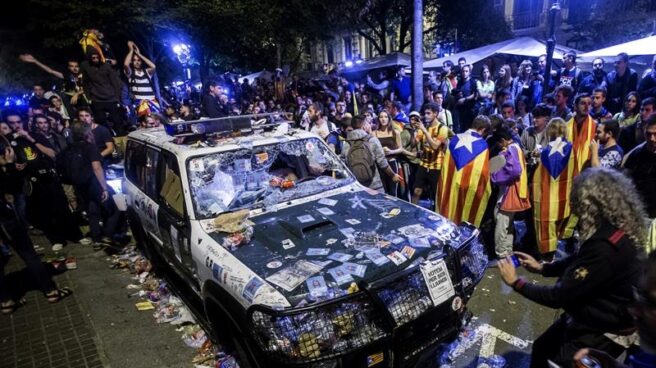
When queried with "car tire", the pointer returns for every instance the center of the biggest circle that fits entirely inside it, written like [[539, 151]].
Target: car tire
[[227, 335]]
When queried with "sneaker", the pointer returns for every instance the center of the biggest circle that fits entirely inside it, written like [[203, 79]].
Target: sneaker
[[85, 241], [71, 263], [57, 247]]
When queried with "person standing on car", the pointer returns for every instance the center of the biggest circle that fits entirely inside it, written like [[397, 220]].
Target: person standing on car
[[595, 284]]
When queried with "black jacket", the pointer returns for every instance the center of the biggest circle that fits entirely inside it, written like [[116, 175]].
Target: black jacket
[[101, 82], [595, 284]]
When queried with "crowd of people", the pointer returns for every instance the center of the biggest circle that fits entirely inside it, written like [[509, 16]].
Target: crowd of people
[[563, 154]]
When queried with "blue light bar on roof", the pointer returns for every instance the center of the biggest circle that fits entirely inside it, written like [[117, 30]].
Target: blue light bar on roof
[[223, 126]]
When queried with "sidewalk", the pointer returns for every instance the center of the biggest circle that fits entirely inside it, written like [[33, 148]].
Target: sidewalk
[[97, 326]]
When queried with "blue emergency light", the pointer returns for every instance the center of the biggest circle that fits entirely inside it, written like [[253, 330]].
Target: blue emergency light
[[229, 125]]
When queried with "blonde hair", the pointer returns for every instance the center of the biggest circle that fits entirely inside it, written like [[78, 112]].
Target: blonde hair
[[601, 195], [557, 128]]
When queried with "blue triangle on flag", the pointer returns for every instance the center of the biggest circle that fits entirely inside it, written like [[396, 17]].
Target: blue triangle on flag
[[461, 155], [554, 161]]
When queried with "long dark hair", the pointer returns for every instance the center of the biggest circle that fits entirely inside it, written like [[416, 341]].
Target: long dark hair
[[637, 106], [389, 127]]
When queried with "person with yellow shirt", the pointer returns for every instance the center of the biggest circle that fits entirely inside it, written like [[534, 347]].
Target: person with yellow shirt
[[431, 141]]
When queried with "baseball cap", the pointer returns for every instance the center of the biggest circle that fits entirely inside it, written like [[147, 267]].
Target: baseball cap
[[415, 114]]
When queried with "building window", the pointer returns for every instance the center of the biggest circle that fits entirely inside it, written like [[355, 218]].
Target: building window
[[527, 13], [330, 53]]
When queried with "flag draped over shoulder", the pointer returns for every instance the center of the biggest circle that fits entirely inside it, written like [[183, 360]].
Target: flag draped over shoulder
[[552, 183], [465, 179], [580, 139]]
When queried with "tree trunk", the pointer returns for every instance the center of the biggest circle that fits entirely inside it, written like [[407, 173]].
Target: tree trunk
[[417, 55]]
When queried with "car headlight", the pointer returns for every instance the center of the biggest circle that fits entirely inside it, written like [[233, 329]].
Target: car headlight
[[319, 331], [472, 257]]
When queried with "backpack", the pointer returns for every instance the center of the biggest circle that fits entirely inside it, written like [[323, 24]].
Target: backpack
[[361, 161], [73, 166]]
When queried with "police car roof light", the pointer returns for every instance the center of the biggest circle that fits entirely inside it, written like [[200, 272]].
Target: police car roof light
[[243, 124]]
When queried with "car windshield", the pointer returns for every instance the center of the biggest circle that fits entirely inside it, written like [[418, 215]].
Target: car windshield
[[263, 176]]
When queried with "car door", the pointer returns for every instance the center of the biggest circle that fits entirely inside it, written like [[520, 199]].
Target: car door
[[142, 163], [172, 219]]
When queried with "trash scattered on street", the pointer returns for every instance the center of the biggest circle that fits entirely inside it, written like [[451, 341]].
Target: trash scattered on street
[[155, 295]]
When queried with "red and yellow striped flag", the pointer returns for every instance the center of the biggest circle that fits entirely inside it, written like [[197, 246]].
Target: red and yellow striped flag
[[581, 141], [552, 183], [464, 187]]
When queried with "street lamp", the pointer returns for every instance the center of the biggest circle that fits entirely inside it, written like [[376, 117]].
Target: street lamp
[[551, 42], [183, 53]]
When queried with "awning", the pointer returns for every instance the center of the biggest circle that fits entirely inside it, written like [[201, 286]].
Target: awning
[[522, 46], [266, 75], [642, 47], [384, 61]]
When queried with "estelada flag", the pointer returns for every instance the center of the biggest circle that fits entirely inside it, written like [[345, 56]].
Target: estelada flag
[[580, 139], [552, 183], [147, 107], [465, 180]]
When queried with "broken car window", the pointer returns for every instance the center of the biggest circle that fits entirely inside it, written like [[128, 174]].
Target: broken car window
[[263, 175]]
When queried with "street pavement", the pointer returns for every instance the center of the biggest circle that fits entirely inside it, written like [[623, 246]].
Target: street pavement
[[496, 305], [99, 325]]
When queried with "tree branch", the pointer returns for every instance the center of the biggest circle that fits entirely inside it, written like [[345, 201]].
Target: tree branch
[[372, 40]]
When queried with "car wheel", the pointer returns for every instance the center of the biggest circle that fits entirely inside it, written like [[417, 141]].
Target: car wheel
[[226, 334]]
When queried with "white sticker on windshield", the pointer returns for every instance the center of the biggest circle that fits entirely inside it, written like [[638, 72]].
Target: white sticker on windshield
[[437, 279], [197, 165]]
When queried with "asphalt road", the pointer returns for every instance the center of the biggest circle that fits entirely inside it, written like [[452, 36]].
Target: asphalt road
[[497, 305]]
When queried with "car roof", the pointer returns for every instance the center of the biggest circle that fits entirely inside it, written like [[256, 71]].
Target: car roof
[[159, 138]]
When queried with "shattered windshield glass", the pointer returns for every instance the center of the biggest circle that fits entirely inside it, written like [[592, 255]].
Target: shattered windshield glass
[[263, 176]]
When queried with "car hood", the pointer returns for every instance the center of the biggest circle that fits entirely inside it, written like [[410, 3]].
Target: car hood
[[352, 224]]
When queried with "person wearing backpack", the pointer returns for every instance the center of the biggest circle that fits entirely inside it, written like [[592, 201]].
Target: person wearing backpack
[[80, 164], [366, 157], [431, 139]]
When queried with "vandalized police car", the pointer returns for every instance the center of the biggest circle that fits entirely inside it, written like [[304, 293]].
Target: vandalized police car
[[297, 264]]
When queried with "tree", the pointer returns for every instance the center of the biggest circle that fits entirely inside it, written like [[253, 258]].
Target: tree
[[589, 27], [476, 22]]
